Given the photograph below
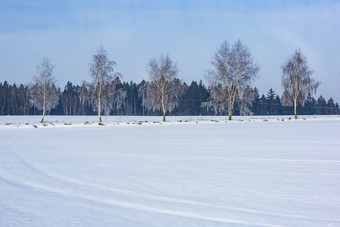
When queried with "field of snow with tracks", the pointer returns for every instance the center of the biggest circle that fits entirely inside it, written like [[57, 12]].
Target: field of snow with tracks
[[189, 171]]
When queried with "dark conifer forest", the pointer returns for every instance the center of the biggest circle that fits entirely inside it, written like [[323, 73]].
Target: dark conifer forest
[[74, 100]]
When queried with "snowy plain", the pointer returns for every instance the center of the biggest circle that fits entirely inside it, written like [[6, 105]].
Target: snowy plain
[[189, 171]]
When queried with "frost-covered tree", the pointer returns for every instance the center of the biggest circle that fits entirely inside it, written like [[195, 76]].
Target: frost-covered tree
[[84, 97], [119, 99], [163, 89], [115, 97], [103, 76], [142, 93], [43, 93], [296, 81], [248, 96], [230, 80]]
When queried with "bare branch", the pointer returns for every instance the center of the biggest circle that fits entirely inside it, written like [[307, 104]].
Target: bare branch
[[44, 94], [103, 86], [164, 89], [234, 70], [296, 81]]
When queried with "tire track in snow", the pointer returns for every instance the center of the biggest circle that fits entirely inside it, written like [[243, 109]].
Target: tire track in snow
[[13, 180], [222, 159], [74, 182]]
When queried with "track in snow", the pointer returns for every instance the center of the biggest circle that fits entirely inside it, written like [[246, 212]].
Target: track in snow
[[216, 174]]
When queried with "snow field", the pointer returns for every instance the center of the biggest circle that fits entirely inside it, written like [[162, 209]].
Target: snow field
[[240, 173]]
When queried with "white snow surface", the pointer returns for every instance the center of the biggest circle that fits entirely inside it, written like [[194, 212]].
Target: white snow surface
[[189, 171]]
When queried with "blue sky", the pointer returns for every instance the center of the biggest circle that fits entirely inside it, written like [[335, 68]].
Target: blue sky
[[133, 31]]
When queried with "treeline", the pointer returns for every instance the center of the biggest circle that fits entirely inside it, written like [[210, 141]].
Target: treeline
[[74, 100]]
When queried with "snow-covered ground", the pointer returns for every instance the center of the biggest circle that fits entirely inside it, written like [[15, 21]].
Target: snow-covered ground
[[190, 171], [7, 122]]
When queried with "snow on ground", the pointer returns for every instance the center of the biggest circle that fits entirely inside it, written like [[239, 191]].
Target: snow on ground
[[254, 171], [7, 122]]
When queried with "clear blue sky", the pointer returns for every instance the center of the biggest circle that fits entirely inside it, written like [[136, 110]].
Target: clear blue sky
[[133, 31]]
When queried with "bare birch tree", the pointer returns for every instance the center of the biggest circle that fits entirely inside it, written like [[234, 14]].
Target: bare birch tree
[[296, 81], [234, 70], [44, 94], [164, 89], [102, 72]]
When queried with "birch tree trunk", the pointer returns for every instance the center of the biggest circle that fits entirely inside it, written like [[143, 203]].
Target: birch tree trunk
[[100, 91], [295, 112], [230, 109], [163, 107], [44, 99]]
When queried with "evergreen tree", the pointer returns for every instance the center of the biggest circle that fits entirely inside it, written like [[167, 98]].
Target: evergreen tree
[[278, 106], [321, 106], [23, 104], [263, 106], [271, 108], [255, 106], [310, 106], [330, 107], [5, 98], [70, 99], [337, 110]]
